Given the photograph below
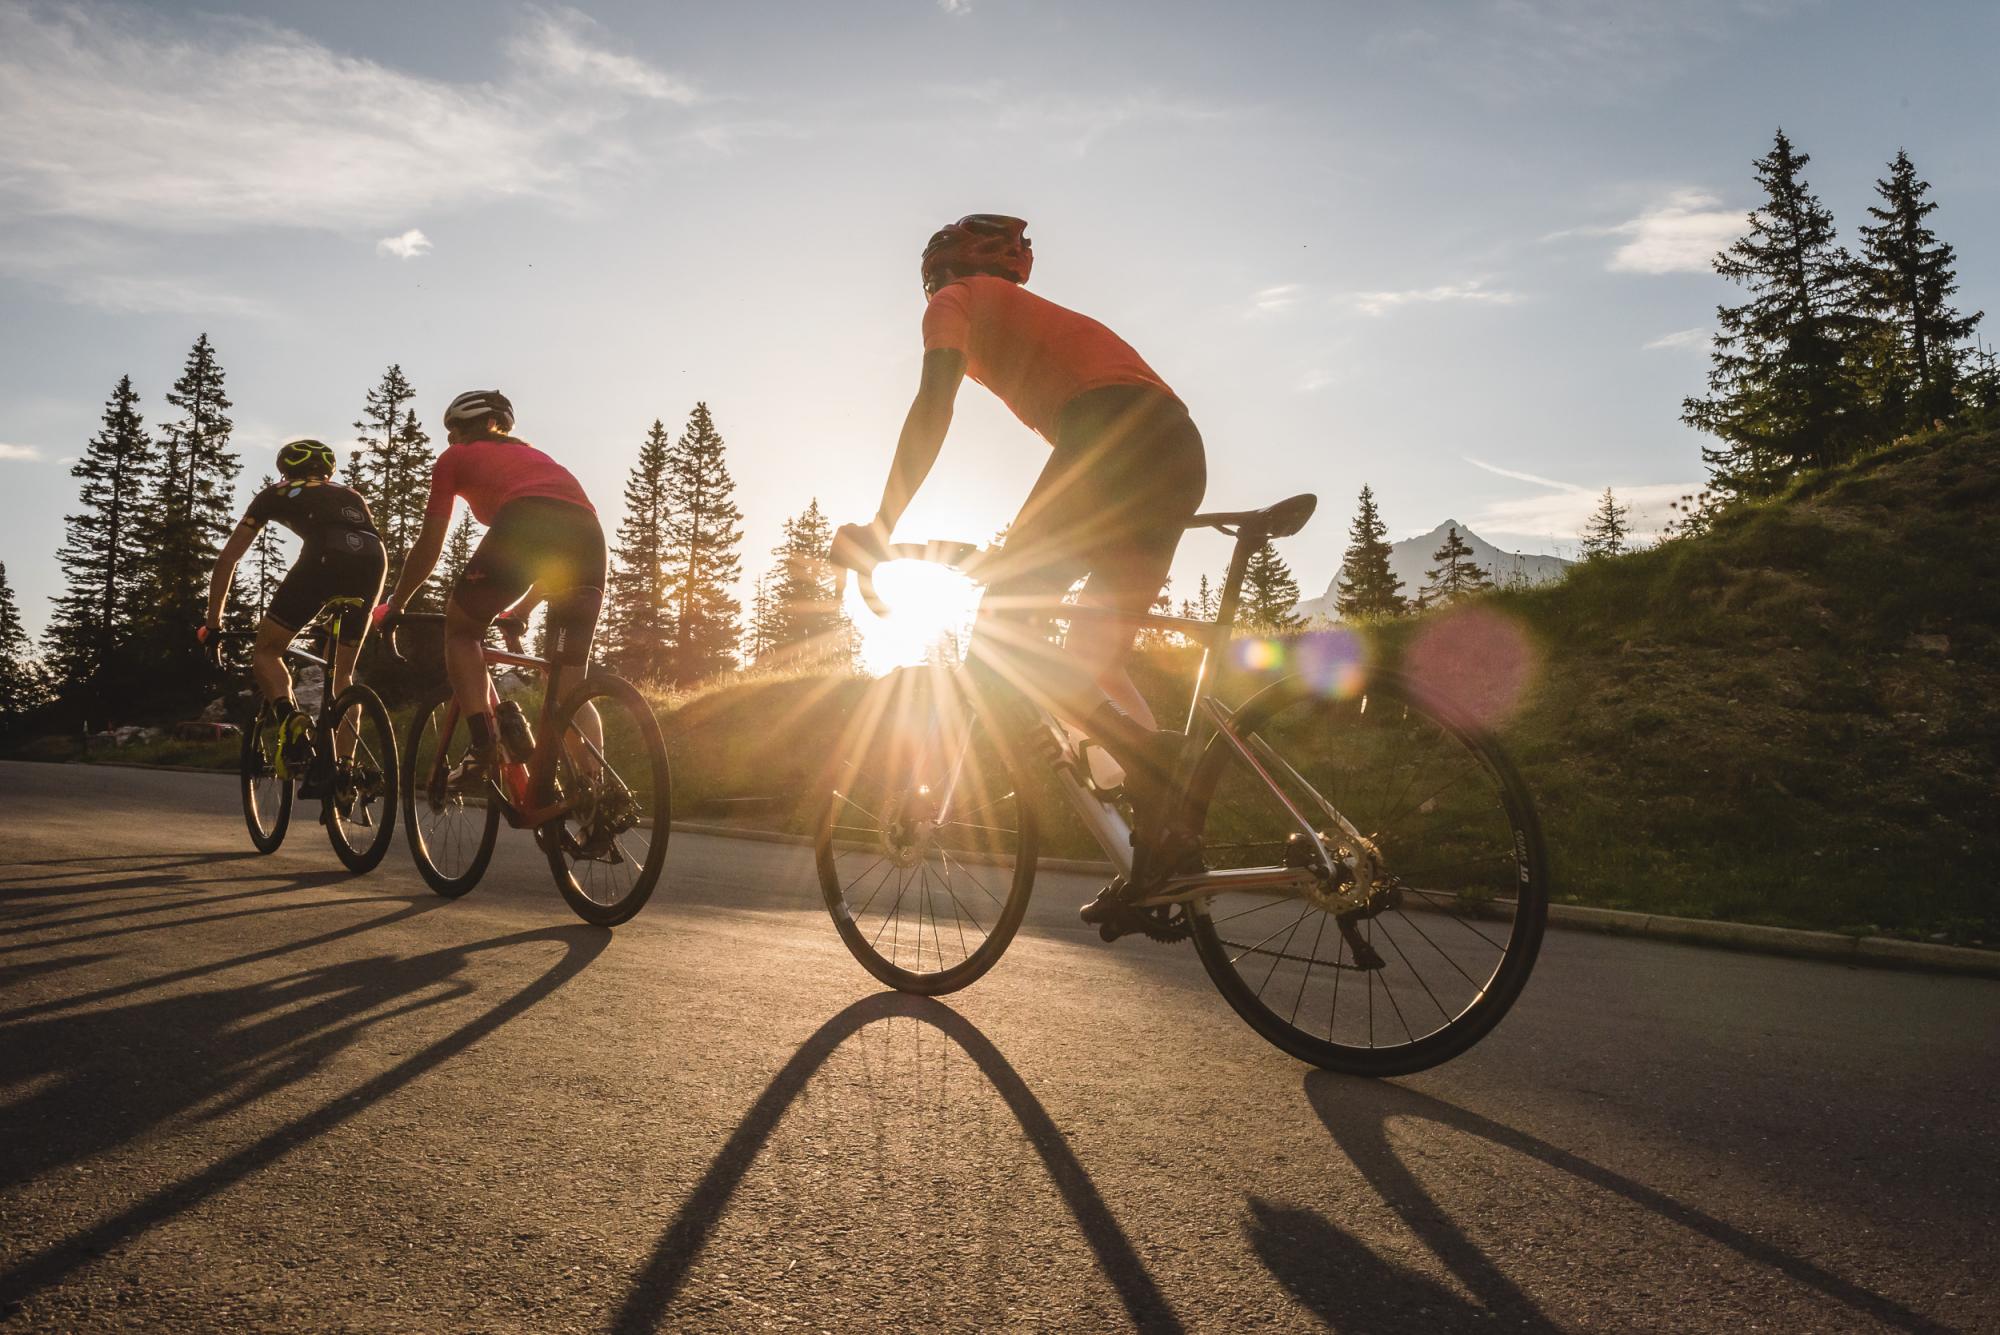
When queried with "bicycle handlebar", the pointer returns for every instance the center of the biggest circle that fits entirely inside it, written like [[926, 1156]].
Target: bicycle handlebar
[[961, 556]]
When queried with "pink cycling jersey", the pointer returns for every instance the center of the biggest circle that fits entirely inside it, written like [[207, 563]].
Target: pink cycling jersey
[[490, 473]]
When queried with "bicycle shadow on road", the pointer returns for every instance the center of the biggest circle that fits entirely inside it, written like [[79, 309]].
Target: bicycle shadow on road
[[1298, 1245], [92, 1081], [661, 1281]]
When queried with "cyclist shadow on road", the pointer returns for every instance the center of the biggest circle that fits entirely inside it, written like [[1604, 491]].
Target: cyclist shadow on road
[[665, 1274], [1348, 1285], [88, 1082]]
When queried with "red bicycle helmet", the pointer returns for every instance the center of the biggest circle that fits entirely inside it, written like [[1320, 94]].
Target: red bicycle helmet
[[988, 243]]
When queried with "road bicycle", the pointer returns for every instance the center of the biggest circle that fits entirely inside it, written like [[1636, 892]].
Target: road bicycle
[[1370, 890], [347, 759], [593, 787]]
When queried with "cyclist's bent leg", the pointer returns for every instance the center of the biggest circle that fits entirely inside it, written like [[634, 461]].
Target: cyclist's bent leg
[[267, 661], [500, 572], [362, 581]]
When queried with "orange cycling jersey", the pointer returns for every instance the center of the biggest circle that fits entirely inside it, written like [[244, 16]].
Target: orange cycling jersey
[[1035, 355]]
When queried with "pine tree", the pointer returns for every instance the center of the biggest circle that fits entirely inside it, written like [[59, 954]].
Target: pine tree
[[21, 682], [1366, 586], [638, 618], [391, 466], [804, 591], [1270, 594], [1608, 529], [703, 537], [1456, 574], [1910, 277], [1203, 604], [763, 632], [458, 549], [268, 561], [188, 515], [1782, 392], [103, 549]]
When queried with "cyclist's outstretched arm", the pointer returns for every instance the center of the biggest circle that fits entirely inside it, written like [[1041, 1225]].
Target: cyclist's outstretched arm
[[225, 567], [423, 557], [923, 433]]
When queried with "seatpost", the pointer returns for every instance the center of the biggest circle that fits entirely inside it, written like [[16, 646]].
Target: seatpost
[[1225, 621]]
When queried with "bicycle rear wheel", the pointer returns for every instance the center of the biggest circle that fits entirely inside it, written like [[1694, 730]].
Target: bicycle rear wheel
[[1428, 964], [267, 799], [451, 830], [607, 853], [926, 895], [360, 810]]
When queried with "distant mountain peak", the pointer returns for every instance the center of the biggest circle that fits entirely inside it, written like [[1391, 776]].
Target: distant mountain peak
[[1411, 560]]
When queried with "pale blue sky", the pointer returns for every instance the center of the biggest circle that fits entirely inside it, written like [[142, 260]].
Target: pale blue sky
[[1454, 250]]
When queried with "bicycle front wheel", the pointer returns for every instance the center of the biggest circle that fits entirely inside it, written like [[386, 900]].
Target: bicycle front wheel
[[451, 828], [925, 842], [607, 853], [267, 798], [1425, 965], [360, 809]]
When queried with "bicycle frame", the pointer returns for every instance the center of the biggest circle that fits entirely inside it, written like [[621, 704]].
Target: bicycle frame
[[541, 763], [1208, 722]]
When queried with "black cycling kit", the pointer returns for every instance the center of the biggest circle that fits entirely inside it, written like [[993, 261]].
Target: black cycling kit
[[341, 554]]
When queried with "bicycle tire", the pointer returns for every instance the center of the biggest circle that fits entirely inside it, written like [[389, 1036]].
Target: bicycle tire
[[383, 770], [653, 798], [421, 743], [1386, 690], [254, 767], [833, 837]]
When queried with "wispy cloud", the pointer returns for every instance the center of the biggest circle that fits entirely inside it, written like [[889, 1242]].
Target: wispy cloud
[[117, 117], [955, 6], [1266, 301], [405, 247], [1679, 234], [1679, 339], [20, 454], [1475, 290], [1561, 509], [1079, 121], [1314, 380]]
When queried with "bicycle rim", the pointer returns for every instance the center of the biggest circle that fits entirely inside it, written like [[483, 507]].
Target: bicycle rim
[[925, 843], [606, 855], [360, 808], [451, 832], [1433, 958], [267, 799]]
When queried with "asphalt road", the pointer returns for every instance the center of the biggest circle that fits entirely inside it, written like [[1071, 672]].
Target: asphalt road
[[255, 1093]]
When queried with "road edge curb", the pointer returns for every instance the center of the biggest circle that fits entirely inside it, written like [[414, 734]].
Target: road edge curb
[[1878, 952]]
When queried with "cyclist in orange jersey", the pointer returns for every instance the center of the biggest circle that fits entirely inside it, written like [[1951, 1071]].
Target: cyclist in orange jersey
[[1125, 473]]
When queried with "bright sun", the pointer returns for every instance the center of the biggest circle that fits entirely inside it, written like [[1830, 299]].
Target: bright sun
[[930, 611]]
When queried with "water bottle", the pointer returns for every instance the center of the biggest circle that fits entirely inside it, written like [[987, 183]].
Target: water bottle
[[515, 734]]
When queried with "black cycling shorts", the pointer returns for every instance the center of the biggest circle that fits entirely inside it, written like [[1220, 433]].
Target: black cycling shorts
[[555, 546], [353, 569], [1126, 474]]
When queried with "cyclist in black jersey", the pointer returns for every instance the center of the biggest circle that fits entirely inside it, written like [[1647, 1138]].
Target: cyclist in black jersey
[[340, 556]]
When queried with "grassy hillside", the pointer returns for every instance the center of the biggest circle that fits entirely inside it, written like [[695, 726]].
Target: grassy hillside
[[1794, 718]]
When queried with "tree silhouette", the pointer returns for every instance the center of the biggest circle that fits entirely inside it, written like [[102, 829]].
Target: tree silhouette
[[1782, 390], [1909, 278], [103, 548], [1608, 529], [1366, 587], [638, 616], [1270, 594], [1455, 575], [703, 538]]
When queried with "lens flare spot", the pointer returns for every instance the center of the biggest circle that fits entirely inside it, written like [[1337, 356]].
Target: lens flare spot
[[1334, 661], [930, 616], [1258, 655], [1476, 659]]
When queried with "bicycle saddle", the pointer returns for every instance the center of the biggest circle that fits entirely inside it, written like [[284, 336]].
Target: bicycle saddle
[[1273, 521]]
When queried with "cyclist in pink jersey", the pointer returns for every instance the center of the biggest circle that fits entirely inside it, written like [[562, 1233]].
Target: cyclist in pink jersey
[[543, 543], [1125, 473]]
